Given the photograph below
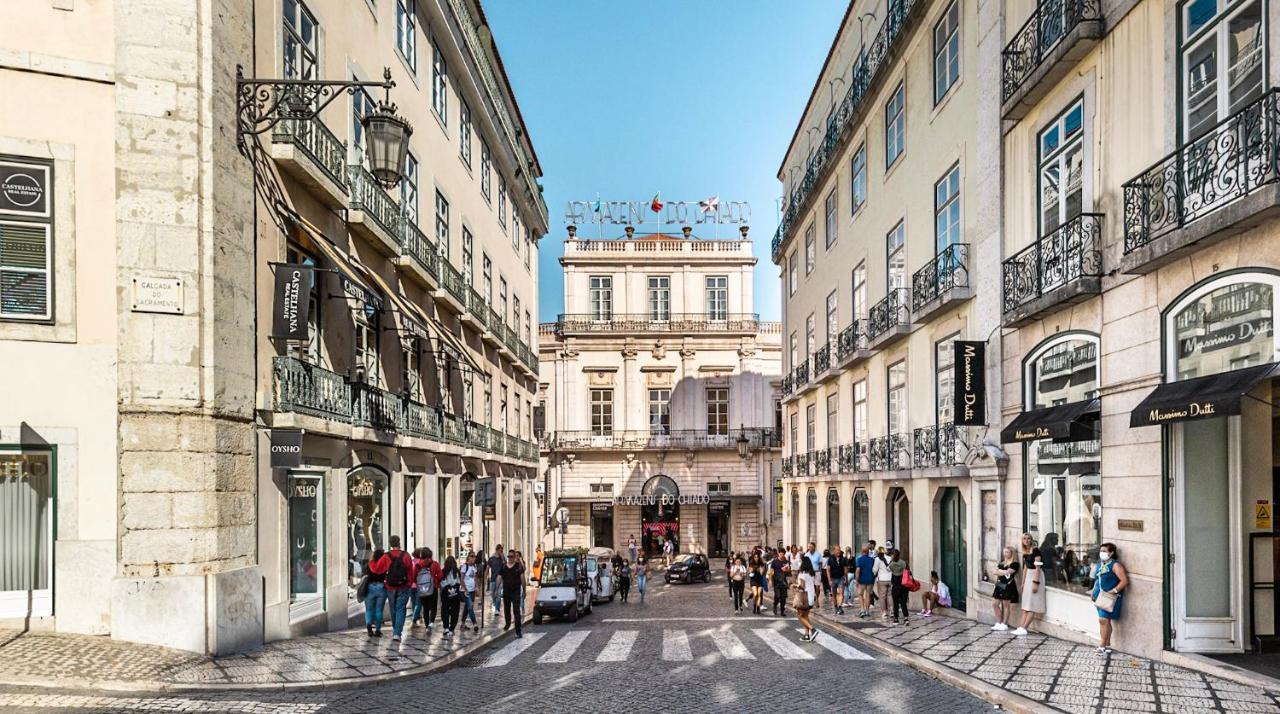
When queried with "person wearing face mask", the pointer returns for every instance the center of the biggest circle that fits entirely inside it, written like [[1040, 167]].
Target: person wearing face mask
[[1033, 584], [1110, 580]]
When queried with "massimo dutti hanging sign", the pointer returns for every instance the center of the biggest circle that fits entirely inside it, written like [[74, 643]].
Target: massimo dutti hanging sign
[[970, 383], [293, 287], [286, 448], [24, 187]]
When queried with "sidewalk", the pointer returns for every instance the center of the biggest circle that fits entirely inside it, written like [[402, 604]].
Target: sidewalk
[[1048, 674], [324, 661]]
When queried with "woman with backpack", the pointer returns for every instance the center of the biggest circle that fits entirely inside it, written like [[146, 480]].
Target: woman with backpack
[[426, 586], [469, 593], [451, 595], [884, 581], [806, 587]]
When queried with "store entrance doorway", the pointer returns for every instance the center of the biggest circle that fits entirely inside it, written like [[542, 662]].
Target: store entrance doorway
[[718, 528]]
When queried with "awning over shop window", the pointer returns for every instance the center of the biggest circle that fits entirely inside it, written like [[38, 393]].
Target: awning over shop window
[[1064, 422], [1200, 398], [354, 282]]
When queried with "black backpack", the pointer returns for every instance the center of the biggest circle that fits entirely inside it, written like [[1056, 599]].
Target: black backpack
[[397, 572]]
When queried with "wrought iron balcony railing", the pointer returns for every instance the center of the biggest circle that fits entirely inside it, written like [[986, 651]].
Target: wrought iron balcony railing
[[889, 453], [940, 445], [684, 439], [477, 308], [308, 389], [673, 322], [1071, 252], [788, 385], [314, 139], [418, 246], [822, 359], [451, 279], [455, 431], [477, 435], [853, 339], [376, 408], [865, 75], [948, 270], [802, 464], [800, 374], [893, 311], [821, 460], [421, 420], [1048, 24], [1236, 157], [369, 197], [788, 466]]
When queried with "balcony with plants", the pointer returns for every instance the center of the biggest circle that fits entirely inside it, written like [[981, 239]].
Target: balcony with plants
[[1043, 51], [942, 283], [1063, 267], [310, 153]]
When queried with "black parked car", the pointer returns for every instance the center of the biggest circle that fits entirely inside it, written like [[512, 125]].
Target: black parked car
[[689, 568]]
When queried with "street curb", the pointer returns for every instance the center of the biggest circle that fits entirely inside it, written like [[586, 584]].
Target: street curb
[[1007, 700], [153, 687]]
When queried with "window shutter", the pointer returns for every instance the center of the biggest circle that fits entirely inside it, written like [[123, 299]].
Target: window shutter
[[24, 271]]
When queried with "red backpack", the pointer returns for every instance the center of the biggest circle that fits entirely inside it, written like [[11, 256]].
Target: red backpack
[[909, 582]]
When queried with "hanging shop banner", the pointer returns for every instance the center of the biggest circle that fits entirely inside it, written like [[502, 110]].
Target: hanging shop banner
[[293, 288], [286, 448], [24, 187], [970, 383]]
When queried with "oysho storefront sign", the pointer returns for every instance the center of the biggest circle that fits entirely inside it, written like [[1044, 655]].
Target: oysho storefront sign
[[696, 499], [286, 448]]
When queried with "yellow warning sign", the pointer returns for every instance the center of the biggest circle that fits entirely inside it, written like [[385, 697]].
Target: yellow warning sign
[[1262, 515]]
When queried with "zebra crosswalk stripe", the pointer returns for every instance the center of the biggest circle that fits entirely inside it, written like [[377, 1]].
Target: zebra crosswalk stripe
[[781, 646], [729, 645], [513, 650], [675, 646], [564, 648], [618, 648], [838, 647]]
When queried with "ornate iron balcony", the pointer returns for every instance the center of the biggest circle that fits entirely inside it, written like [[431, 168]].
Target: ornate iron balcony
[[893, 311], [948, 270], [314, 139], [454, 430], [1236, 157], [802, 464], [846, 458], [369, 197], [477, 435], [451, 279], [801, 374], [821, 359], [821, 460], [679, 440], [788, 385], [421, 420], [1072, 251], [788, 466], [308, 389], [852, 340], [646, 322], [418, 246], [1041, 33], [889, 453], [376, 408], [941, 445]]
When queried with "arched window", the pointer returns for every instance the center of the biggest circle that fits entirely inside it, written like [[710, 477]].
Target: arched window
[[833, 518], [1221, 325], [367, 514], [1060, 370], [811, 532], [861, 519]]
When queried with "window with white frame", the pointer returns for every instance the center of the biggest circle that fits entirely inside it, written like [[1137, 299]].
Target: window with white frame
[[486, 164], [468, 271], [486, 276], [515, 310], [442, 224], [811, 427], [1224, 47], [502, 408], [792, 279], [946, 209], [409, 189], [896, 256], [795, 432], [406, 33], [411, 368], [601, 294], [860, 291], [528, 327], [830, 211], [944, 381], [659, 298], [602, 412], [860, 410], [946, 52], [502, 201], [440, 84], [833, 324], [502, 300], [858, 180], [810, 335], [897, 397], [1061, 156], [718, 411], [516, 231], [895, 126], [717, 297], [795, 356], [528, 247], [810, 249], [361, 106], [366, 344], [488, 400], [464, 131], [833, 408], [301, 42]]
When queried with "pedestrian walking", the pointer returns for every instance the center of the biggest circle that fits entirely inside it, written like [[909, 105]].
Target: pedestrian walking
[[375, 597], [1034, 597], [642, 577], [824, 573], [496, 563], [865, 574], [632, 548], [426, 583], [469, 593], [450, 595], [835, 574], [939, 595], [1005, 594], [1110, 580], [535, 572], [668, 550], [624, 580], [779, 569], [896, 567], [757, 581], [398, 571], [884, 580], [737, 583], [806, 587], [512, 576]]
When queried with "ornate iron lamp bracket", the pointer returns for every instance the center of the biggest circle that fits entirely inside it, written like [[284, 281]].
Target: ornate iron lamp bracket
[[261, 104]]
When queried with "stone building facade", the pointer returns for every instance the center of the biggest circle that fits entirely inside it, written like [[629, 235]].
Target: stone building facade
[[649, 382], [136, 285]]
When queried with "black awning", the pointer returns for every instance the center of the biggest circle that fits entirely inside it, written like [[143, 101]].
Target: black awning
[[1200, 398], [1063, 422]]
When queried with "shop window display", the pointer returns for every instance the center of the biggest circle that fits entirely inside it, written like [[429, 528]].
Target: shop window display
[[366, 519]]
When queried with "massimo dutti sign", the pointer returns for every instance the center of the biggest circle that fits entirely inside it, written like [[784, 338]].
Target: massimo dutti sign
[[286, 448], [293, 287], [970, 383]]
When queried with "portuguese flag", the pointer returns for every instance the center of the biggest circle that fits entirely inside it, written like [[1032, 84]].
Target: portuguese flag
[[656, 204]]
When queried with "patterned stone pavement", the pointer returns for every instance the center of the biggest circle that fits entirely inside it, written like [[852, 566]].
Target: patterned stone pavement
[[1065, 675]]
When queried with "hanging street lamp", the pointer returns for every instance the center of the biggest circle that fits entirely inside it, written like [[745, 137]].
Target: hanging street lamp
[[744, 444]]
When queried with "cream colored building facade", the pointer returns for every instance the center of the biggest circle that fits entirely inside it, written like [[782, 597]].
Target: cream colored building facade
[[138, 290], [649, 381], [888, 251]]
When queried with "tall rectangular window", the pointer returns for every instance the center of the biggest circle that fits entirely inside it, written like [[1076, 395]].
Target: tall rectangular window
[[488, 400], [486, 164], [945, 380], [442, 224], [810, 335], [718, 411], [486, 276], [440, 84], [897, 397], [1224, 50], [946, 209], [516, 231], [860, 410], [946, 52], [515, 311], [830, 210], [26, 270], [528, 247], [468, 270], [659, 298], [811, 427], [528, 327], [361, 105], [602, 412], [895, 126], [718, 297], [795, 432], [406, 33], [795, 355], [1061, 169], [464, 131], [860, 291], [601, 297], [792, 281], [833, 325], [409, 189], [502, 408], [301, 42], [833, 407], [502, 300], [858, 182], [810, 249], [896, 256], [502, 201]]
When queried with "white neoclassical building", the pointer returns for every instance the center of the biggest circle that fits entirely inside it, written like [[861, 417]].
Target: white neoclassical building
[[660, 390]]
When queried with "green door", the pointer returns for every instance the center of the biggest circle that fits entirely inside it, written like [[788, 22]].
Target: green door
[[954, 548]]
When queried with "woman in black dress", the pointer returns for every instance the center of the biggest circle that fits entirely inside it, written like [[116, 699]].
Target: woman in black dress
[[1006, 592]]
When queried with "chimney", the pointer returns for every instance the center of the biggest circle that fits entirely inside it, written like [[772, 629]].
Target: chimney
[[573, 232], [743, 230], [631, 231], [688, 232]]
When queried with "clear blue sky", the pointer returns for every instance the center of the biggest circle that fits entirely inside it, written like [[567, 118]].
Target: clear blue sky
[[692, 99]]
